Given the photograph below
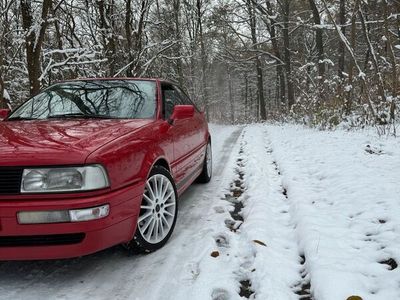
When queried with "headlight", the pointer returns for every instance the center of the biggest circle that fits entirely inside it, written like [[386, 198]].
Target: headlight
[[64, 179]]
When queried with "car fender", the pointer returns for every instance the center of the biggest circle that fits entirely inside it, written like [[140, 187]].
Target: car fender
[[152, 157]]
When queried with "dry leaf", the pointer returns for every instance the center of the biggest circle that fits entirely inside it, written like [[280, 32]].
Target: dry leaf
[[354, 298], [215, 254], [260, 243]]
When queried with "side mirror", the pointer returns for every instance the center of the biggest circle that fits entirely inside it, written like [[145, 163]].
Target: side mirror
[[182, 112], [4, 113]]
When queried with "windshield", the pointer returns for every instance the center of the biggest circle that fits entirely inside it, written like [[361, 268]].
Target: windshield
[[125, 99]]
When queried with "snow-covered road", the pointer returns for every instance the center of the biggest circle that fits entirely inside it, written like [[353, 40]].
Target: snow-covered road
[[291, 213]]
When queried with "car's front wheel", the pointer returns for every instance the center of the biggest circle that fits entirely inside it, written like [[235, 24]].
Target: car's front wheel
[[158, 211]]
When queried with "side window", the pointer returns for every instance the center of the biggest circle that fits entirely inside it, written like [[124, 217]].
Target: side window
[[170, 99]]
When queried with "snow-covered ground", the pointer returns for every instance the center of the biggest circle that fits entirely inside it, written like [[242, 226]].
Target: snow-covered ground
[[344, 188], [291, 213]]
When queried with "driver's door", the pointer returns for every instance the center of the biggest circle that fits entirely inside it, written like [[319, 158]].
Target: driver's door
[[183, 132]]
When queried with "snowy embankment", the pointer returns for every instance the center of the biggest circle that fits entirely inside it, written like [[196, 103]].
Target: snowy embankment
[[345, 195]]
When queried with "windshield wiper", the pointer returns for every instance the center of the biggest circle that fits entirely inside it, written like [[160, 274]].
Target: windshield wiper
[[19, 118], [79, 115]]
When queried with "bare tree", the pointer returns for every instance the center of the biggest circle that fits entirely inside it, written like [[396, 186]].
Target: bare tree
[[259, 71]]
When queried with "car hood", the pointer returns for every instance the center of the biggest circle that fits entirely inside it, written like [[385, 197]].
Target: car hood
[[58, 142]]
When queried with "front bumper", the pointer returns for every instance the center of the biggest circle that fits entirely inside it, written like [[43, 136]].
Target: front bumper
[[59, 240]]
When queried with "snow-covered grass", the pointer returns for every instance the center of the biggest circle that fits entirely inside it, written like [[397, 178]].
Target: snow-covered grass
[[345, 194]]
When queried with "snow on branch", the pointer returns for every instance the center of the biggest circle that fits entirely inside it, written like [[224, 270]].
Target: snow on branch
[[71, 57], [149, 61]]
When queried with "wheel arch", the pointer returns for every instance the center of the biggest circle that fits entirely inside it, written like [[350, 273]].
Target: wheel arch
[[161, 162], [158, 161]]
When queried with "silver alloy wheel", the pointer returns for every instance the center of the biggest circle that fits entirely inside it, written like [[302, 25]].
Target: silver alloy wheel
[[209, 160], [157, 210]]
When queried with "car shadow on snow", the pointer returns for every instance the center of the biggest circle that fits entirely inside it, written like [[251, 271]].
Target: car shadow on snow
[[21, 271]]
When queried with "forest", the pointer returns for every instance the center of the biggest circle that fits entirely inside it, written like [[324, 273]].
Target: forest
[[323, 63]]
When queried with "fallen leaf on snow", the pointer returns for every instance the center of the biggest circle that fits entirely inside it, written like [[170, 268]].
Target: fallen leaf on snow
[[354, 298], [215, 254], [260, 243]]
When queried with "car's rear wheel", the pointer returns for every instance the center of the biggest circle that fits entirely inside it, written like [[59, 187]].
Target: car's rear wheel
[[158, 211], [206, 173]]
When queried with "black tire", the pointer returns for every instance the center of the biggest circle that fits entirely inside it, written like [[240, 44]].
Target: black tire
[[206, 173], [140, 243]]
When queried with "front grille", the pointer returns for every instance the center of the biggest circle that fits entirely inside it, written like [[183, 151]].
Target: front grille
[[41, 240], [10, 180]]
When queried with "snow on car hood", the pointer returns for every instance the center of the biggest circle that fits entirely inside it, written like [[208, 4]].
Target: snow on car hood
[[58, 142]]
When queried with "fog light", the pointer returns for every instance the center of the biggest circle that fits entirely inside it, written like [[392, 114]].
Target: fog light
[[63, 216], [87, 214]]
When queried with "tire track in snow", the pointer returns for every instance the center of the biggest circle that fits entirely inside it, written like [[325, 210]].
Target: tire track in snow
[[259, 240], [236, 197], [231, 243], [303, 288]]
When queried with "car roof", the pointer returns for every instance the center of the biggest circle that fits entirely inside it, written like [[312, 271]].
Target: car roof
[[114, 78], [118, 78]]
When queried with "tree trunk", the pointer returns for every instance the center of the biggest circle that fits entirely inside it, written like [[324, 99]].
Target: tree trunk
[[33, 41], [246, 95], [279, 68], [178, 37], [260, 80], [318, 40], [349, 95], [203, 58], [392, 58], [3, 102], [342, 21], [287, 58], [108, 37], [128, 33], [230, 96]]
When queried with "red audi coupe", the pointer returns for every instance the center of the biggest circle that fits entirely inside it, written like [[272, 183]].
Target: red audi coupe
[[88, 164]]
